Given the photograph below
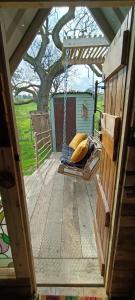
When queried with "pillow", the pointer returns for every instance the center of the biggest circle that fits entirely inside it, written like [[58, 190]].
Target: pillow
[[78, 138], [80, 151]]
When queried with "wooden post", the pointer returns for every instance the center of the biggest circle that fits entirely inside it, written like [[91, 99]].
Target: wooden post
[[11, 183]]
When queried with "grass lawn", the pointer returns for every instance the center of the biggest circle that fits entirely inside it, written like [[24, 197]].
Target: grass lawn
[[25, 140]]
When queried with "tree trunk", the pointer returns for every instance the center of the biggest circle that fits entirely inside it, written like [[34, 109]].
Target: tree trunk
[[43, 95]]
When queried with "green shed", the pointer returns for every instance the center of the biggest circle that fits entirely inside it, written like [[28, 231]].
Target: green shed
[[79, 116]]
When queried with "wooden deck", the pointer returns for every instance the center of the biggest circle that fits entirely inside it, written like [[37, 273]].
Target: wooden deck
[[61, 212]]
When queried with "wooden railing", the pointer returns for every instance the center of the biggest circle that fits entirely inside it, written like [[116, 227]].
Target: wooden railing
[[43, 146]]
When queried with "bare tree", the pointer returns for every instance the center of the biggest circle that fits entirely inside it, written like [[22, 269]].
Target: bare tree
[[45, 56]]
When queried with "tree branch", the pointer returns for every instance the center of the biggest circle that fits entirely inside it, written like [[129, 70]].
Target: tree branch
[[29, 59], [59, 25], [45, 41], [27, 89]]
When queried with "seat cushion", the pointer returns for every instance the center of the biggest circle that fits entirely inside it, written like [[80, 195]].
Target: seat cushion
[[66, 156], [80, 152], [78, 138]]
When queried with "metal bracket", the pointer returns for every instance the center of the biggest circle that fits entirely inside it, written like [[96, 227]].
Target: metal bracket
[[131, 142]]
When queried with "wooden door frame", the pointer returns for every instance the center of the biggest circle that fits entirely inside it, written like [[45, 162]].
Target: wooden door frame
[[11, 155], [12, 185], [127, 115]]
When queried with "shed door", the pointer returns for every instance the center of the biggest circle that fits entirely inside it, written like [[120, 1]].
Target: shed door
[[70, 120]]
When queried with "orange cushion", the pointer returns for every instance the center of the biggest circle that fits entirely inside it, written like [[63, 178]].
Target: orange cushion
[[80, 151], [78, 138]]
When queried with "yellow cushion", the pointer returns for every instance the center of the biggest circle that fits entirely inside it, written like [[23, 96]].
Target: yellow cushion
[[80, 151], [78, 138]]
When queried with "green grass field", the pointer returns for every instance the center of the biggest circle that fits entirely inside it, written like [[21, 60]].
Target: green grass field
[[26, 142]]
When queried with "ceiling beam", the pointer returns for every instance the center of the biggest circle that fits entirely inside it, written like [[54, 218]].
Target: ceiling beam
[[85, 61], [103, 24], [51, 3], [118, 14], [14, 23], [27, 38]]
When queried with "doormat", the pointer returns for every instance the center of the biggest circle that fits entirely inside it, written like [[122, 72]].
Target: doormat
[[51, 297]]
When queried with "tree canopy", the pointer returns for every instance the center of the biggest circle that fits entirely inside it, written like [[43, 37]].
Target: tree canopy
[[43, 70]]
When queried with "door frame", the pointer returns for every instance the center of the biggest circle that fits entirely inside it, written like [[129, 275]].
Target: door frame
[[23, 259], [12, 186]]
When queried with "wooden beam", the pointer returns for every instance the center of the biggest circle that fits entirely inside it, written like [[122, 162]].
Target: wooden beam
[[85, 61], [118, 14], [83, 42], [74, 3], [27, 38], [117, 55], [13, 25], [103, 23]]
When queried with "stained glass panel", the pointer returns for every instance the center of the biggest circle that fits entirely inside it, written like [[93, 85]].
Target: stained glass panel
[[6, 260]]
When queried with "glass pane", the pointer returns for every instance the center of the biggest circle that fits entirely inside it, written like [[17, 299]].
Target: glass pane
[[6, 260]]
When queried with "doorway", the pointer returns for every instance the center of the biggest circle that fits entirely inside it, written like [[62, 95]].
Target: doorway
[[25, 225]]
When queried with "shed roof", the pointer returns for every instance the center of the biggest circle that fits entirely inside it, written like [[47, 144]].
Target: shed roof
[[21, 26], [72, 93]]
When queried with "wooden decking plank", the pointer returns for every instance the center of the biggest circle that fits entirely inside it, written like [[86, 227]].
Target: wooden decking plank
[[26, 179], [46, 166], [29, 181], [91, 190], [71, 242], [38, 221], [37, 183], [85, 221], [68, 271], [51, 243], [33, 195]]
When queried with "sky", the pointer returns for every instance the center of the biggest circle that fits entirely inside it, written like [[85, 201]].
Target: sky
[[82, 79]]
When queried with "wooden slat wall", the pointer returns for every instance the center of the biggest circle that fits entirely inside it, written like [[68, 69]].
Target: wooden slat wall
[[123, 278]]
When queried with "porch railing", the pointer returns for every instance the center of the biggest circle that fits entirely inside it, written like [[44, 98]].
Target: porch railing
[[43, 146]]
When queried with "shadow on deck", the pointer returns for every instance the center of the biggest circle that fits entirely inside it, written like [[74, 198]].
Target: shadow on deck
[[61, 212]]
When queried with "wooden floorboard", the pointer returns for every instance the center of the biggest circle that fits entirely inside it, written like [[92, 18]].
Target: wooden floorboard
[[91, 190], [39, 218], [51, 243], [61, 210], [71, 242], [68, 271], [85, 221]]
